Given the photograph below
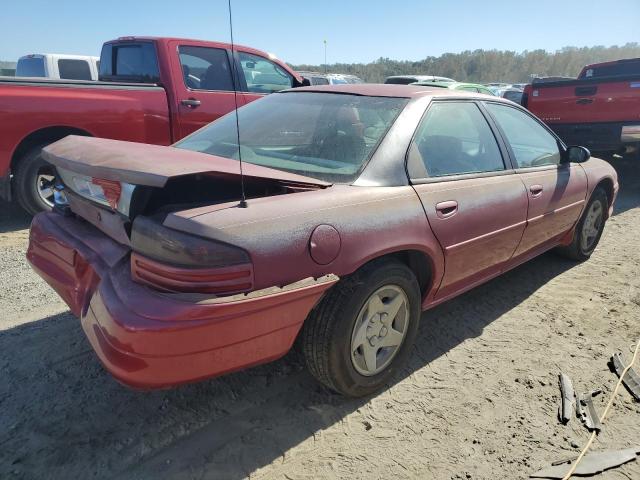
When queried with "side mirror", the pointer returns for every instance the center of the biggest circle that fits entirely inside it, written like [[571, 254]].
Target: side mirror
[[577, 154]]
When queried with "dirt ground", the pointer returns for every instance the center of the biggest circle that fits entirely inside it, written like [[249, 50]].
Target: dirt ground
[[477, 400]]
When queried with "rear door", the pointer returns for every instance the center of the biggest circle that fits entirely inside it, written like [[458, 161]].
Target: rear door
[[556, 190], [475, 203], [205, 91]]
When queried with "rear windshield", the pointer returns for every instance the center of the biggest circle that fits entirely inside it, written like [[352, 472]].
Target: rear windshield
[[400, 80], [30, 67], [74, 69], [321, 135], [623, 67]]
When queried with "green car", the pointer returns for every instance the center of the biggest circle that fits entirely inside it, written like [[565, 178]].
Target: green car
[[467, 87]]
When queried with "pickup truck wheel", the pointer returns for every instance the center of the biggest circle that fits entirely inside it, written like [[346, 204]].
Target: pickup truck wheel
[[589, 228], [362, 331], [33, 181]]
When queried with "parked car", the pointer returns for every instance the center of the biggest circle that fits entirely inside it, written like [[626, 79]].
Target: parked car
[[365, 204], [315, 78], [466, 87], [599, 109], [509, 92], [58, 66], [407, 79], [151, 90]]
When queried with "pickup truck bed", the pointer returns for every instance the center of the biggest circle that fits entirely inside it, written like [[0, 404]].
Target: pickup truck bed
[[152, 90]]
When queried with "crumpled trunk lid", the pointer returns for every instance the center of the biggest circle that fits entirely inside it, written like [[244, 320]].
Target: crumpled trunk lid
[[152, 165]]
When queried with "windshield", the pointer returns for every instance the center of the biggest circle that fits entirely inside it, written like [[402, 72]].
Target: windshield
[[320, 135]]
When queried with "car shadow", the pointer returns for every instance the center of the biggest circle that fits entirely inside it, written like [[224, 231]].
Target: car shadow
[[63, 416], [12, 217], [628, 170]]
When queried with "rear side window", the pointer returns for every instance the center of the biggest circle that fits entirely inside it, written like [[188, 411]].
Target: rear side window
[[262, 75], [205, 68], [74, 69], [531, 143], [453, 138], [30, 67], [129, 62], [319, 81]]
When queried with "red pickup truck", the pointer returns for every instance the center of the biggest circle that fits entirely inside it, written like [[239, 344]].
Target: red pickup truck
[[599, 110], [150, 90]]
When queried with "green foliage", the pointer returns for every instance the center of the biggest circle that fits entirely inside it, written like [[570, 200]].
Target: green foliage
[[483, 66]]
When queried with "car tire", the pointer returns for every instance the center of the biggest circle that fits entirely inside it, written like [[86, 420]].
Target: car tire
[[589, 228], [32, 170], [343, 318]]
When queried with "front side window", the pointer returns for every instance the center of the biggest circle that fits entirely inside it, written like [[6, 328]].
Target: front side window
[[74, 69], [205, 68], [453, 138], [262, 75], [321, 135], [531, 143]]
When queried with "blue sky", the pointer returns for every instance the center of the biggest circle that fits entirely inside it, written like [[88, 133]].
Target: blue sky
[[356, 31]]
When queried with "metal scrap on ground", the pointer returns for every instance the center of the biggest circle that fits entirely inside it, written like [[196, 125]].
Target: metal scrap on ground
[[631, 379], [567, 399], [590, 464], [586, 411]]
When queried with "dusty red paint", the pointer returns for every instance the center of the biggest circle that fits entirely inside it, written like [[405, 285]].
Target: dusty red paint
[[467, 230]]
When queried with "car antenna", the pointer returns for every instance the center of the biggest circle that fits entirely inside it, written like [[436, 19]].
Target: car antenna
[[234, 80]]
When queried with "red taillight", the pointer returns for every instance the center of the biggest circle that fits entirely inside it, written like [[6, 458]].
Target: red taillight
[[111, 190], [221, 280]]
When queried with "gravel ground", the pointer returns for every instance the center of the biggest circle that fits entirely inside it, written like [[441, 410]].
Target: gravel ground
[[477, 400]]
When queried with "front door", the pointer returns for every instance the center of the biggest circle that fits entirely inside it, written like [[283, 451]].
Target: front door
[[475, 203], [206, 90], [556, 190]]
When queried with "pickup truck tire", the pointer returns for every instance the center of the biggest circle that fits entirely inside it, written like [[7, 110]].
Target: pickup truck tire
[[589, 228], [31, 176], [333, 334]]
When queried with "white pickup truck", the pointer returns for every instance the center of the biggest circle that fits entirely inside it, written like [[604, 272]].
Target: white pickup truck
[[58, 66]]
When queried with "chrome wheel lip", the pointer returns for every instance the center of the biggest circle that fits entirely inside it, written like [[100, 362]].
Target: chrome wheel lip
[[382, 320], [44, 187], [591, 225]]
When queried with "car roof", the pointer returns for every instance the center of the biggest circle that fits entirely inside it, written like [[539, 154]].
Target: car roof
[[387, 90]]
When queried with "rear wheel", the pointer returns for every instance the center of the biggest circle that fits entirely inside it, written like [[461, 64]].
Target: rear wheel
[[34, 181], [361, 333], [589, 228]]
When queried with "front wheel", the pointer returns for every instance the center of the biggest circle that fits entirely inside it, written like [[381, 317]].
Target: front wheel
[[34, 181], [589, 228], [361, 333]]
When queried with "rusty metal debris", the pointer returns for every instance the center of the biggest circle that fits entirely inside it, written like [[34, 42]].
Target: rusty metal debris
[[567, 399], [586, 411], [591, 464], [631, 379]]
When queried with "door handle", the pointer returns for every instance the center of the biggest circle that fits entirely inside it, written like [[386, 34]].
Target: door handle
[[584, 101], [536, 190], [446, 209], [191, 102]]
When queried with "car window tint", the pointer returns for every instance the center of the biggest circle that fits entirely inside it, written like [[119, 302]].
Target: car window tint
[[30, 67], [74, 69], [205, 68], [454, 138], [262, 75], [531, 143]]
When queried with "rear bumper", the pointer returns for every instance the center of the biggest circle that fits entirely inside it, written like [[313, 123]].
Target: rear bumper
[[147, 339], [599, 137]]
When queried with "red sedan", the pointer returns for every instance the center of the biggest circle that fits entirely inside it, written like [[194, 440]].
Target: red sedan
[[366, 204]]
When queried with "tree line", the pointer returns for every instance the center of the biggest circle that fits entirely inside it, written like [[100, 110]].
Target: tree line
[[483, 66]]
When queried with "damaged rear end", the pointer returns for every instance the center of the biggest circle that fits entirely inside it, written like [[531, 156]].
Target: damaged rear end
[[161, 306]]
